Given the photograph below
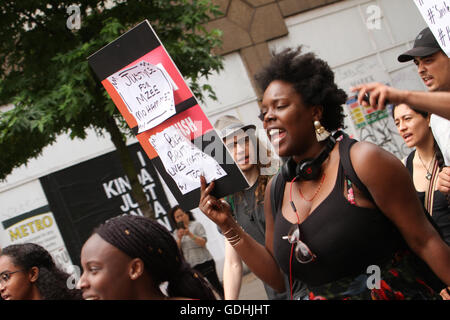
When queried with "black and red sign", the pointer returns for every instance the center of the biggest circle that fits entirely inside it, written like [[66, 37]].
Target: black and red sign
[[141, 44]]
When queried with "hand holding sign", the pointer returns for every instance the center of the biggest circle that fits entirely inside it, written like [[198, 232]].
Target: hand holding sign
[[151, 95], [219, 211]]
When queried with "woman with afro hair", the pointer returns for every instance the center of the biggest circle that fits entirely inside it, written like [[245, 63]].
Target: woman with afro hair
[[343, 216]]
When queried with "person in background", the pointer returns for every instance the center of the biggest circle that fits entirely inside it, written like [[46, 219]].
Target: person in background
[[191, 239], [28, 272], [131, 258], [331, 225], [247, 205], [424, 163], [433, 67]]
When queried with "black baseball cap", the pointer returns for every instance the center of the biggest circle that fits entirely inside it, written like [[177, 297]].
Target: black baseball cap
[[425, 44]]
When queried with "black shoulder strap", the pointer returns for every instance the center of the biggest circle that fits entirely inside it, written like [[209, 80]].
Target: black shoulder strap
[[344, 152], [409, 162], [276, 185]]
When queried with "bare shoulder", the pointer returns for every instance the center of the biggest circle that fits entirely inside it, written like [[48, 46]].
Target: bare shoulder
[[372, 161], [368, 151]]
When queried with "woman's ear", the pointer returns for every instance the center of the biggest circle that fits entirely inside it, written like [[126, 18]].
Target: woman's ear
[[136, 268], [33, 274], [317, 112]]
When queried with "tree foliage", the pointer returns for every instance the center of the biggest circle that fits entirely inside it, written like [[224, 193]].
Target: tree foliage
[[45, 75]]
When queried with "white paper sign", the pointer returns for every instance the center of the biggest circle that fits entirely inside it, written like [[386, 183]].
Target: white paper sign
[[436, 14], [147, 92], [183, 161]]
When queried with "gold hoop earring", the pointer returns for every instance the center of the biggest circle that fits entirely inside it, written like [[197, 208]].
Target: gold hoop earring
[[321, 132]]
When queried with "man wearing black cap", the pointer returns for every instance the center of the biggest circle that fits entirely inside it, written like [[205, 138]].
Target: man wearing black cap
[[433, 66], [432, 63]]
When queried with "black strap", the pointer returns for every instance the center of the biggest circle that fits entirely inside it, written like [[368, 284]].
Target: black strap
[[276, 185], [409, 162], [344, 152]]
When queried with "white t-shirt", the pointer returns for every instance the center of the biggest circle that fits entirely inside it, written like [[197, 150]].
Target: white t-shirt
[[441, 131]]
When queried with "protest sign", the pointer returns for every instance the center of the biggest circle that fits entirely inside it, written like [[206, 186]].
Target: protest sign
[[155, 101], [436, 14]]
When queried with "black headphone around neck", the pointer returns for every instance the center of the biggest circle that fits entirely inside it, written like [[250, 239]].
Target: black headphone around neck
[[307, 169]]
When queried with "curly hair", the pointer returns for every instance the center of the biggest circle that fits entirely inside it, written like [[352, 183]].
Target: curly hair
[[312, 78], [51, 282], [147, 239]]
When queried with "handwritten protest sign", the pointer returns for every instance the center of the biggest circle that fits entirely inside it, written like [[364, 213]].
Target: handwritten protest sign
[[183, 161], [138, 74], [436, 14], [147, 93]]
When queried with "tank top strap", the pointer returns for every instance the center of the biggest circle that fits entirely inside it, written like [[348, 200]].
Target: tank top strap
[[409, 162], [276, 193], [344, 153]]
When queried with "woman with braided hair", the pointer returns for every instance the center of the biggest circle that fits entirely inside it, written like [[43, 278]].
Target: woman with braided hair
[[128, 258], [28, 272]]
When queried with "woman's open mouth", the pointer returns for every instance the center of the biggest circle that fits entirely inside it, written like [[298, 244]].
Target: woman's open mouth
[[276, 135]]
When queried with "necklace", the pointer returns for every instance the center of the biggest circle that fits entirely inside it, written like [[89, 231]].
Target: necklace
[[428, 175], [315, 193]]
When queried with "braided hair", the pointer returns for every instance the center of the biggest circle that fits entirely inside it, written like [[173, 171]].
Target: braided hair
[[144, 238], [51, 282]]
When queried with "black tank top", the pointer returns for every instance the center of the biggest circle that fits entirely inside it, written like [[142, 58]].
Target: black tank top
[[345, 238]]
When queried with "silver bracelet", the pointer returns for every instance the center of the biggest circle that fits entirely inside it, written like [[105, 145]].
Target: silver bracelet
[[234, 239]]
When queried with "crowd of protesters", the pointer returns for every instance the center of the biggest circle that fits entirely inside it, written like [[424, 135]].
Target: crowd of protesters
[[335, 207]]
